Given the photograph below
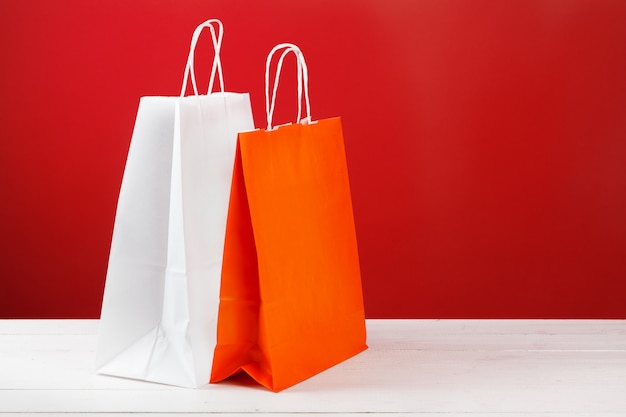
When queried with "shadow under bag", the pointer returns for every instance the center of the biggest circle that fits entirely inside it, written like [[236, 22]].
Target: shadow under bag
[[291, 301], [159, 312]]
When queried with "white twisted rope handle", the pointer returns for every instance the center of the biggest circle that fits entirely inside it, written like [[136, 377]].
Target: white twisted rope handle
[[217, 63], [303, 82]]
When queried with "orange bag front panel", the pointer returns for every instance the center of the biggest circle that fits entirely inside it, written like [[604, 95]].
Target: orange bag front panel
[[291, 298]]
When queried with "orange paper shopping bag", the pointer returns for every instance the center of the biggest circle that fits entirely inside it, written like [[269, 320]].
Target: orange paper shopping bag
[[291, 302]]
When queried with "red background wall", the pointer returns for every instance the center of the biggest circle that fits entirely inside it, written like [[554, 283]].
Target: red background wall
[[486, 141]]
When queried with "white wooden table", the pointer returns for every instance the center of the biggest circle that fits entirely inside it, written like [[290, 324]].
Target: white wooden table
[[413, 367]]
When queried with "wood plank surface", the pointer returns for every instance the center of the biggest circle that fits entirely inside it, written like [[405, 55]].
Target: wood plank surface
[[420, 367]]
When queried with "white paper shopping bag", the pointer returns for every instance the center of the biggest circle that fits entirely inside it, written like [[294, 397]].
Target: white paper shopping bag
[[161, 297]]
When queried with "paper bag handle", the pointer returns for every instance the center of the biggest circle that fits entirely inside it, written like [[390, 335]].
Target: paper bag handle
[[303, 82], [217, 63]]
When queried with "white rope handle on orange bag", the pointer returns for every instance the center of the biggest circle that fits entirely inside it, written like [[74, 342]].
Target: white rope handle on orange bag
[[303, 82], [217, 63]]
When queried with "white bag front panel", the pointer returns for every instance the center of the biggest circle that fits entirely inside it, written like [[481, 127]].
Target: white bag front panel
[[207, 175], [159, 316]]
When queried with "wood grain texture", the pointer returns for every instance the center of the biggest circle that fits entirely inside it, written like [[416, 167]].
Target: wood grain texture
[[417, 367]]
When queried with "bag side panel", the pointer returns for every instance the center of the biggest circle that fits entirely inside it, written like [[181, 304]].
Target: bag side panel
[[239, 293], [132, 302]]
